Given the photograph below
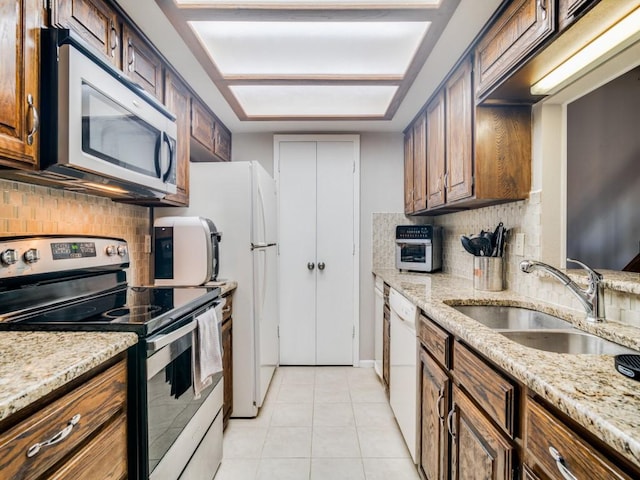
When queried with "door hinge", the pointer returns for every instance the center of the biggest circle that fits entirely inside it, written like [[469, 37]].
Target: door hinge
[[354, 166], [353, 332], [353, 252], [278, 330]]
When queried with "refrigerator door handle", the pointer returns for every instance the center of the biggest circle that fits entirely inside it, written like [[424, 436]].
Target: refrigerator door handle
[[255, 246]]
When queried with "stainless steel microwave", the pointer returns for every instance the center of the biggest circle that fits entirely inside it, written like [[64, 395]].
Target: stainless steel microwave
[[101, 132]]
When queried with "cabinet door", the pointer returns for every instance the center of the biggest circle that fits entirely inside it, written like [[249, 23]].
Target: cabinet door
[[479, 450], [19, 89], [221, 143], [227, 369], [435, 398], [408, 171], [202, 125], [420, 164], [436, 151], [386, 343], [95, 21], [513, 37], [459, 134], [569, 10], [141, 64], [177, 101]]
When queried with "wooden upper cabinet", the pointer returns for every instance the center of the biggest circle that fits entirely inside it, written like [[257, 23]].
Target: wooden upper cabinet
[[436, 154], [420, 164], [459, 133], [177, 101], [408, 171], [212, 139], [95, 21], [570, 10], [512, 38], [19, 88], [141, 64], [479, 450]]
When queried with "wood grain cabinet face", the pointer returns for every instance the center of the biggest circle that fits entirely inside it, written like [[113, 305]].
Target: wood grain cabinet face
[[513, 37], [201, 124], [408, 171], [554, 451], [177, 101], [95, 21], [227, 359], [19, 88], [479, 450], [459, 134], [420, 164], [386, 343], [436, 151], [97, 403], [434, 438], [221, 143], [569, 10], [141, 64]]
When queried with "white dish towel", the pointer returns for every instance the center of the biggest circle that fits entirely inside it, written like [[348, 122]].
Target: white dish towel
[[207, 351]]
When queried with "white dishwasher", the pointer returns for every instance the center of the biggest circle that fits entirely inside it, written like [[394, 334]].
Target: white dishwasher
[[403, 363], [378, 313]]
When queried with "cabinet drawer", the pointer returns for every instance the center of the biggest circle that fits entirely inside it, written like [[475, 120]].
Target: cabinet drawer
[[495, 394], [544, 432], [104, 457], [436, 340], [522, 27], [96, 401]]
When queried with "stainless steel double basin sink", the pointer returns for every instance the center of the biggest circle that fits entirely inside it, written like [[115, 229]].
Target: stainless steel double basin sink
[[539, 330]]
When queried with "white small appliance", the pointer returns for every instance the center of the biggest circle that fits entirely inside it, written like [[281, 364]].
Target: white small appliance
[[403, 368], [419, 248], [241, 197], [185, 251]]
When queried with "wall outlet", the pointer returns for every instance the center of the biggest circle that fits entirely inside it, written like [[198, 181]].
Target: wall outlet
[[518, 246], [147, 244]]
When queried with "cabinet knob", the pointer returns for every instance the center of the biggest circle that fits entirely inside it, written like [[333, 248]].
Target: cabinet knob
[[311, 265], [321, 266]]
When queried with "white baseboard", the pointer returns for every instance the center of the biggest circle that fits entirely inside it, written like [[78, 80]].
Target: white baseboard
[[365, 364]]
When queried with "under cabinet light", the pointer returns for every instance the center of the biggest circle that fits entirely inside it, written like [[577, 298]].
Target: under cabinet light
[[625, 31]]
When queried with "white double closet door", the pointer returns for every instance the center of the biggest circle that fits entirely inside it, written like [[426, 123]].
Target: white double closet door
[[317, 188]]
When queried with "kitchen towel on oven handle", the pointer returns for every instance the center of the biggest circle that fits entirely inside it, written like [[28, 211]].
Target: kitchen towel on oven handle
[[207, 351]]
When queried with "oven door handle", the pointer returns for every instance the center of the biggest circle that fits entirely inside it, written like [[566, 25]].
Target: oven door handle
[[156, 343]]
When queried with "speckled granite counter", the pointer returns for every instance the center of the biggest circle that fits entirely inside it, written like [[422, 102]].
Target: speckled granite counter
[[585, 387], [33, 364]]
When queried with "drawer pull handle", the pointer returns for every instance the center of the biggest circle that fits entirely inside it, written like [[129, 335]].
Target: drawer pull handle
[[440, 399], [543, 9], [562, 466], [115, 42], [57, 438], [35, 119], [452, 431]]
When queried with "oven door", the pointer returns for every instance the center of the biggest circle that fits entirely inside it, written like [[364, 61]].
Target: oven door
[[177, 422], [413, 255]]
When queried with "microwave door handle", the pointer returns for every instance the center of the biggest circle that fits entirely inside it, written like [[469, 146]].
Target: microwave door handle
[[167, 140], [157, 155]]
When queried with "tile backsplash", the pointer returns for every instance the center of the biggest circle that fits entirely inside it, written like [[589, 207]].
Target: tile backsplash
[[518, 217], [32, 209]]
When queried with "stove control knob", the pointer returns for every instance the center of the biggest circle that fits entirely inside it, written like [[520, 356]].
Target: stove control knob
[[111, 250], [122, 250], [31, 256], [9, 256]]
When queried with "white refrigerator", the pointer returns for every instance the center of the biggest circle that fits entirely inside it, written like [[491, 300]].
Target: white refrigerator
[[240, 198]]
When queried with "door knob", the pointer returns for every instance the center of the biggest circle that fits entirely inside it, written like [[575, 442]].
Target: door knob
[[311, 265], [321, 266]]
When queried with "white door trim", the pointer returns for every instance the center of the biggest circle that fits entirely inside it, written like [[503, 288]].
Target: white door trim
[[277, 139]]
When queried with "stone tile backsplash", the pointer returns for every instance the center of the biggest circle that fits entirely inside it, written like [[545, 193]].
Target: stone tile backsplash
[[32, 209], [518, 217]]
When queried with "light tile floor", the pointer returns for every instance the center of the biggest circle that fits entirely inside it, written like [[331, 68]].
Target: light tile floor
[[318, 423]]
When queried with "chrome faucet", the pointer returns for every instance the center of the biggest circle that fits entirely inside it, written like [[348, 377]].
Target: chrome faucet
[[592, 298]]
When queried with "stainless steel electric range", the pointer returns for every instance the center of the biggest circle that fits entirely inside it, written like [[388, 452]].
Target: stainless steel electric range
[[79, 283]]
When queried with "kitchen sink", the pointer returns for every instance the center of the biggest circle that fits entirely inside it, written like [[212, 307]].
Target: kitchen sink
[[566, 342], [501, 317]]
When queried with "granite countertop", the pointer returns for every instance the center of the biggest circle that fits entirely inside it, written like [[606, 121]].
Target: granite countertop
[[33, 364], [585, 387]]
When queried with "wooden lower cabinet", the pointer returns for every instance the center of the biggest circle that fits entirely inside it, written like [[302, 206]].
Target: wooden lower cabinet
[[386, 342], [434, 439], [479, 451], [227, 359], [92, 421]]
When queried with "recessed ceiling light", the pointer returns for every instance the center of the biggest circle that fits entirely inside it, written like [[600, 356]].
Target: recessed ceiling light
[[314, 100], [311, 48]]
